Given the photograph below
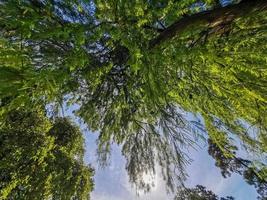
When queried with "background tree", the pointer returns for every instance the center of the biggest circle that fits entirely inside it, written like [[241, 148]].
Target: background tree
[[199, 193], [34, 165], [253, 174]]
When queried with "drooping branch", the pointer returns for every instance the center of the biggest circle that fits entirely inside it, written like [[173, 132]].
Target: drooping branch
[[212, 18]]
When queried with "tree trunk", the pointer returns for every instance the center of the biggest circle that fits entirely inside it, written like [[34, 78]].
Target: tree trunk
[[212, 18]]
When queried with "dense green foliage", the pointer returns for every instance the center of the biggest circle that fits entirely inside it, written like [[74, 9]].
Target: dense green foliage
[[135, 68], [36, 163]]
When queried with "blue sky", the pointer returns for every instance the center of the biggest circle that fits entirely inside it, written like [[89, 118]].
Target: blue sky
[[111, 182]]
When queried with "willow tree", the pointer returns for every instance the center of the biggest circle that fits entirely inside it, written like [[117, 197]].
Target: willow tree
[[35, 164], [135, 66], [209, 62], [167, 53]]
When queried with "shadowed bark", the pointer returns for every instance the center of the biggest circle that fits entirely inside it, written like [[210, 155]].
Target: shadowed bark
[[213, 18]]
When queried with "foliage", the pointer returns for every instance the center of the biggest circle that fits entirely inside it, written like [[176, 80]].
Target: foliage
[[39, 52], [35, 165], [103, 57], [198, 193]]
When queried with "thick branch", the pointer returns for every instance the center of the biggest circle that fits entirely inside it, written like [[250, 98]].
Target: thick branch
[[212, 18]]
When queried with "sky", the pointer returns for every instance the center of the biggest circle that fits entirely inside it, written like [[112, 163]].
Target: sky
[[111, 183]]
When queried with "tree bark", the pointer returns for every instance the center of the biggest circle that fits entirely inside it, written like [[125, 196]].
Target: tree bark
[[212, 18]]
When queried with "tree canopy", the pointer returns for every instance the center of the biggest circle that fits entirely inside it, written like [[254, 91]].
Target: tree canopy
[[36, 164], [135, 68]]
